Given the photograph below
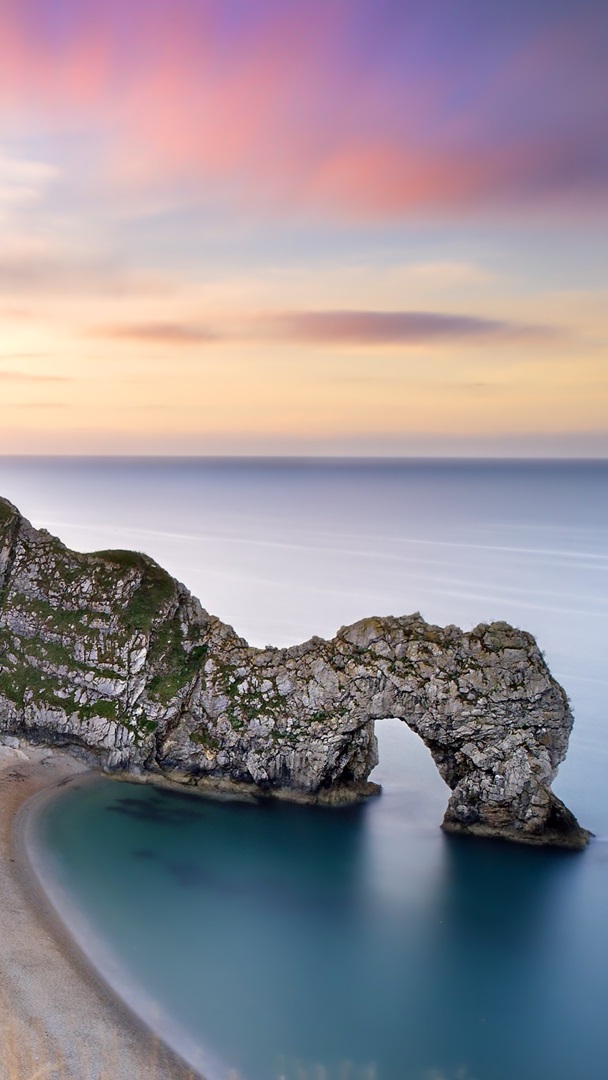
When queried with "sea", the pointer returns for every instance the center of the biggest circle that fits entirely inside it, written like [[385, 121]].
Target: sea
[[268, 941]]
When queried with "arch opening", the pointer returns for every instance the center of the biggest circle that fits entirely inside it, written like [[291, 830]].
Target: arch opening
[[407, 774]]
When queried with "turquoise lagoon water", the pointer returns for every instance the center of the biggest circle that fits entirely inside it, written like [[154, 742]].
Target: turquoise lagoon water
[[358, 943]]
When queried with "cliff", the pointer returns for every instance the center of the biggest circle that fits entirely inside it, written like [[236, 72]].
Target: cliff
[[107, 654]]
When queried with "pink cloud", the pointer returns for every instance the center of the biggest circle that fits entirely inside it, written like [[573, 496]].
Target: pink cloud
[[359, 328], [392, 328], [286, 113]]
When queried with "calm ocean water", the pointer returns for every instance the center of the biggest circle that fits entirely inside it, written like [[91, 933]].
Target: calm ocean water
[[356, 944]]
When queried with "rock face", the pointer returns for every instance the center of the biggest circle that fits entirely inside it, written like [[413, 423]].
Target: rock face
[[109, 655]]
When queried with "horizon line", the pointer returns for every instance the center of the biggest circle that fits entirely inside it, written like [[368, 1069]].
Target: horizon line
[[344, 458]]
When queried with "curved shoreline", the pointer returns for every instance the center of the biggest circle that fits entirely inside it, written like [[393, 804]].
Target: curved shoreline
[[58, 1012]]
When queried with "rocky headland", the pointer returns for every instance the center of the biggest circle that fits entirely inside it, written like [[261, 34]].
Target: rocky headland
[[106, 655]]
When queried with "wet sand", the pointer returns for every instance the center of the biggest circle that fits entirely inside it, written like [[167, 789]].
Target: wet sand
[[58, 1019]]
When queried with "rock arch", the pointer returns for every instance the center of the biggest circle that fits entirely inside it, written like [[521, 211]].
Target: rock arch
[[110, 656], [484, 703]]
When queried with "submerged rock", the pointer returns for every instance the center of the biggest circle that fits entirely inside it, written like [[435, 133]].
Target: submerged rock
[[108, 655]]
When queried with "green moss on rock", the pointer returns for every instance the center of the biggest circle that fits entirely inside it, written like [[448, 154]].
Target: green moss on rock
[[173, 664], [203, 737], [7, 513], [155, 590]]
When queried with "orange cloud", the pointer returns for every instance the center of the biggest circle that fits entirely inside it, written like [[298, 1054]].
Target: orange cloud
[[157, 333], [23, 376]]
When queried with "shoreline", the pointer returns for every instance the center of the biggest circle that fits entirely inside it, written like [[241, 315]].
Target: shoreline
[[58, 1014]]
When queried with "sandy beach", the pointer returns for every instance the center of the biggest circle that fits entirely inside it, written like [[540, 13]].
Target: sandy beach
[[58, 1019]]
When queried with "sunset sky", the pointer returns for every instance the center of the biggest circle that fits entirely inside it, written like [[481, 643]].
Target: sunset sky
[[304, 226]]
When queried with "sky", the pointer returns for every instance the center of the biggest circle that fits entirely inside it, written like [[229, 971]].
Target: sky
[[322, 227]]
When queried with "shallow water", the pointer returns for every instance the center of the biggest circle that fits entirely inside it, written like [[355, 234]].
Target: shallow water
[[320, 944]]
